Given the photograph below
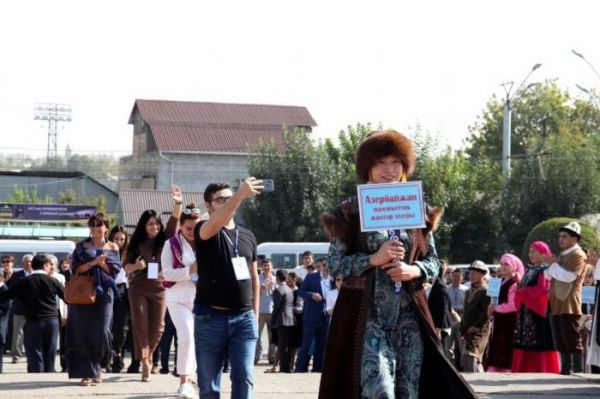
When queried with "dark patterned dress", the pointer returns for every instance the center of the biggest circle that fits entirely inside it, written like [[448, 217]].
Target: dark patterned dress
[[393, 346]]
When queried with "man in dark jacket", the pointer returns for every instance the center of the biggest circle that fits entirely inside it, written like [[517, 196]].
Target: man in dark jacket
[[475, 324], [441, 308], [38, 294], [17, 310], [282, 319], [4, 311]]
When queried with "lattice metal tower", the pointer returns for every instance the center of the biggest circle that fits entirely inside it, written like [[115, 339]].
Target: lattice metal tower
[[56, 115]]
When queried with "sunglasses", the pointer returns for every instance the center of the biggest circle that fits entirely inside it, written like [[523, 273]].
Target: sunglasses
[[220, 200], [100, 224], [5, 261], [188, 211]]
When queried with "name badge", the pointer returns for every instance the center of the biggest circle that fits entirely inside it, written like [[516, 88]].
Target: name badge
[[240, 267], [152, 270]]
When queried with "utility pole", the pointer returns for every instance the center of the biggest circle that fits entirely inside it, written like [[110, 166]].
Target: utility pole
[[506, 123], [54, 114]]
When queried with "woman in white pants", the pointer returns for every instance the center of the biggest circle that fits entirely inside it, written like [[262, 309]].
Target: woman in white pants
[[178, 262]]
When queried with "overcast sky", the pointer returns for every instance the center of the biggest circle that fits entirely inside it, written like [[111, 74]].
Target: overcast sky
[[396, 62]]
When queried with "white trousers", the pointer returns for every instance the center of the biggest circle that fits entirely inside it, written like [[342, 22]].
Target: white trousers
[[183, 319]]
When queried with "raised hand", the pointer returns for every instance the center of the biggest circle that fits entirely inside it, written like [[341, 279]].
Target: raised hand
[[176, 194]]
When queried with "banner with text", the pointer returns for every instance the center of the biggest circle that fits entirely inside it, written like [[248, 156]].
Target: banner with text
[[46, 212], [391, 206]]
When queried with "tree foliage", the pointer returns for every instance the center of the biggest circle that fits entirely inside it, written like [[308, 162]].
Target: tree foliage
[[547, 231], [304, 187]]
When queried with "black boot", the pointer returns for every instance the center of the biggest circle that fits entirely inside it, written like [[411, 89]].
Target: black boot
[[577, 362], [134, 367], [565, 363], [117, 364]]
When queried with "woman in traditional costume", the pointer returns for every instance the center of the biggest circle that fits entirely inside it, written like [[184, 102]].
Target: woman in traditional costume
[[533, 347], [505, 315], [381, 342]]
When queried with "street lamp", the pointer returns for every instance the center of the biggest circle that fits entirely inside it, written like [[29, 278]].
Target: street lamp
[[587, 62], [593, 97], [506, 122]]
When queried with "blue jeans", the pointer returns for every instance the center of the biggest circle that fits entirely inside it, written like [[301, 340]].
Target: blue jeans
[[216, 335], [40, 345]]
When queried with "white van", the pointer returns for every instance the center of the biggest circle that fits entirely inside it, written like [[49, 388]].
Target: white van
[[287, 255], [18, 248]]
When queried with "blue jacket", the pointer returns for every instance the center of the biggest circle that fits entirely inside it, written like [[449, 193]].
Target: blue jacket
[[313, 311]]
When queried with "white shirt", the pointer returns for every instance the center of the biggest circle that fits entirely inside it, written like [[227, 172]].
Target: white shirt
[[184, 291], [330, 300], [62, 306], [301, 271], [557, 272], [325, 284]]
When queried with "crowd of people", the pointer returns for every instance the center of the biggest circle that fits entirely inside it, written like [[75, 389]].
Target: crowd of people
[[536, 323], [377, 316]]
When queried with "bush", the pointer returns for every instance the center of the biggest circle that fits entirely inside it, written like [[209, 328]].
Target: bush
[[547, 231]]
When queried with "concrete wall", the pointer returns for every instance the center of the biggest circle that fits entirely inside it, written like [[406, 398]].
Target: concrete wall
[[193, 172]]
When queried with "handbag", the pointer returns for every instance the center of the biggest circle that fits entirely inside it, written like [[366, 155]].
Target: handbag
[[80, 290]]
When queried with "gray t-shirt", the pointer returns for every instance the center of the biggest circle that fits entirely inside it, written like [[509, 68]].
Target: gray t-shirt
[[266, 294]]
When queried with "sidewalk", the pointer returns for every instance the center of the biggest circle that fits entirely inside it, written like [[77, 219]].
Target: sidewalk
[[16, 383]]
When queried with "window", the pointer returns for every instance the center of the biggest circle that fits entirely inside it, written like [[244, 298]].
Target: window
[[283, 261]]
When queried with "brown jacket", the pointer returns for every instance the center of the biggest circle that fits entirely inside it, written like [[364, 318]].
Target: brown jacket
[[565, 298], [475, 324]]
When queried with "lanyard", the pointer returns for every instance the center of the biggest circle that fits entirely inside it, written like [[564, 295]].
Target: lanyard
[[395, 235], [235, 245]]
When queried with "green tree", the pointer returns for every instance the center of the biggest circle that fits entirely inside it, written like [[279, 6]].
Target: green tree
[[22, 195], [547, 231], [304, 188], [342, 157], [554, 149], [563, 115]]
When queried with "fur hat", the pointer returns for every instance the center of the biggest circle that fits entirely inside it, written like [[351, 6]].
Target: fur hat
[[380, 144]]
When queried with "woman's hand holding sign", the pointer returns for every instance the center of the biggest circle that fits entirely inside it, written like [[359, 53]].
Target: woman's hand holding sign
[[401, 271], [389, 250]]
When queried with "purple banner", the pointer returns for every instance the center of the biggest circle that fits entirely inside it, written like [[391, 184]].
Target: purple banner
[[46, 212]]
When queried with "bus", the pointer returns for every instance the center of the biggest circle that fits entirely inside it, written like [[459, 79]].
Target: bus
[[17, 248], [287, 255]]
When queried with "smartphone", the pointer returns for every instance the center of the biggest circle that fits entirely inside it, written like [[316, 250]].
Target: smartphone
[[268, 185]]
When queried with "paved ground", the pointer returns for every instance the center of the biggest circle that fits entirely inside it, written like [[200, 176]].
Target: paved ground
[[15, 383]]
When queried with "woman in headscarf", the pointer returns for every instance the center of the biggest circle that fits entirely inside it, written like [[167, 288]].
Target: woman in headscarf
[[505, 315], [381, 341], [534, 350]]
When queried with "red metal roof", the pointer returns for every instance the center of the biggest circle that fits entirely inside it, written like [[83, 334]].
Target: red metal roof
[[217, 127], [213, 139]]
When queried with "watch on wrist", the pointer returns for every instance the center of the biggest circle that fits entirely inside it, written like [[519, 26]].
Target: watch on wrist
[[178, 202]]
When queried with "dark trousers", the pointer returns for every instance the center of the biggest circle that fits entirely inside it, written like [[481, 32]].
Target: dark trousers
[[1, 356], [310, 331], [167, 338], [62, 333], [120, 327], [40, 345], [284, 339]]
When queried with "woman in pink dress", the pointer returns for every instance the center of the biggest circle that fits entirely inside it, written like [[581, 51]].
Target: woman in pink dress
[[505, 315]]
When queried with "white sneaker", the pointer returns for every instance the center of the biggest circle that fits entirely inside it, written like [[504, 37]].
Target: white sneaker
[[186, 390]]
